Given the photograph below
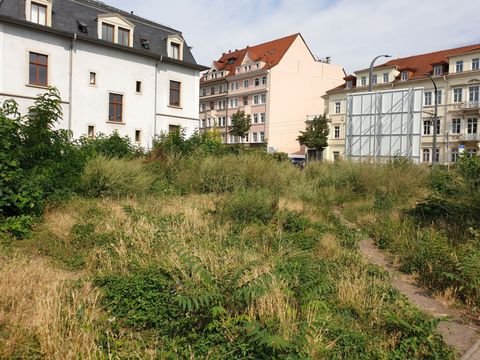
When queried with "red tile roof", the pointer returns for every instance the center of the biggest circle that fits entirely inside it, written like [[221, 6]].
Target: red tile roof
[[270, 52], [421, 64]]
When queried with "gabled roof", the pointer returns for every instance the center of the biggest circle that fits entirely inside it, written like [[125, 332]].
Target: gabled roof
[[67, 14], [271, 53]]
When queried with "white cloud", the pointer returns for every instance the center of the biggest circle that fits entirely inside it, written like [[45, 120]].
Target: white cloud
[[352, 32]]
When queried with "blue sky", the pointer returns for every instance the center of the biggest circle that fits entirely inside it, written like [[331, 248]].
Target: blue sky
[[352, 32]]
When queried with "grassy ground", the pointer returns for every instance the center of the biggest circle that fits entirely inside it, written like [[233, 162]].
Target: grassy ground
[[245, 263]]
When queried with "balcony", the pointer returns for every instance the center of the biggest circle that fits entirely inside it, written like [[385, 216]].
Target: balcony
[[471, 105], [469, 137]]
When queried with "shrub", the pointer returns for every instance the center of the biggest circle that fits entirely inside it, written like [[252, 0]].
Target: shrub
[[116, 177], [110, 146], [249, 206]]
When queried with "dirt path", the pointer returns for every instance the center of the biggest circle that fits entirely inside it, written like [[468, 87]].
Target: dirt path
[[457, 332]]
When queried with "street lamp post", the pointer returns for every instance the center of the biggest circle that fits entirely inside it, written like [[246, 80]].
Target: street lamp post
[[370, 76], [435, 120]]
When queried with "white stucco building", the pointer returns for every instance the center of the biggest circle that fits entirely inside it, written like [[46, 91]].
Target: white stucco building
[[114, 70]]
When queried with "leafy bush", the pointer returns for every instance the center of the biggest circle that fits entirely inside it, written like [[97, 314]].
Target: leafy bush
[[110, 146], [38, 163], [115, 177]]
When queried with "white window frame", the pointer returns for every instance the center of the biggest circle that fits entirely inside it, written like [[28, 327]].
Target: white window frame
[[457, 95], [456, 126], [459, 66], [404, 76], [438, 70], [177, 40], [386, 78], [428, 98], [48, 14], [246, 83], [476, 64], [263, 118], [336, 132], [363, 81], [338, 107], [263, 99], [426, 155]]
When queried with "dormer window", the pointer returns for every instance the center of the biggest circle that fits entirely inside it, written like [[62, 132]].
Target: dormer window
[[404, 76], [175, 47], [108, 32], [115, 29], [123, 36], [438, 70], [39, 11], [175, 50], [349, 84]]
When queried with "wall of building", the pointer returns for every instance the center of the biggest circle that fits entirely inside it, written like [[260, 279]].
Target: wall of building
[[296, 86], [116, 72], [14, 66]]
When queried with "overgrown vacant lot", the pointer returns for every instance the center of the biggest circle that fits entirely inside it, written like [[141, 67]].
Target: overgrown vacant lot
[[231, 256]]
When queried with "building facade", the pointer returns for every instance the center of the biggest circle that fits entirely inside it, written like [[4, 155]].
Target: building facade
[[456, 73], [277, 83], [115, 71]]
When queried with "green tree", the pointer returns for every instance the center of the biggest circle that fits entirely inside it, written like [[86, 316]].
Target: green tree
[[241, 124], [316, 134]]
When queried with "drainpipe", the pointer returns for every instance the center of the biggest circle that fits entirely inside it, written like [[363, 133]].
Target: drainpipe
[[155, 100], [70, 79]]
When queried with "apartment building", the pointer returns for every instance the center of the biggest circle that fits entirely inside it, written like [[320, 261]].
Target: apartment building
[[456, 73], [278, 83], [115, 71]]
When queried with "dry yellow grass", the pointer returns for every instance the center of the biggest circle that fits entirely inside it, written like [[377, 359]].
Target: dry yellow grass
[[42, 314]]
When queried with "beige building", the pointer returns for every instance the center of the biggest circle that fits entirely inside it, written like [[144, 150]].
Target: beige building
[[278, 83], [456, 73]]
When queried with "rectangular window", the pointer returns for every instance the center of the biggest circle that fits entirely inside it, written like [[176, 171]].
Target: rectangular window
[[255, 137], [426, 155], [428, 98], [456, 126], [363, 81], [175, 49], [263, 99], [262, 136], [454, 155], [257, 81], [212, 90], [472, 126], [473, 96], [374, 79], [438, 70], [115, 112], [138, 87], [255, 118], [439, 97], [204, 92], [457, 95], [38, 69], [426, 127], [476, 64], [471, 152], [138, 136], [459, 66], [336, 156], [93, 78], [38, 13], [175, 88], [124, 37], [107, 32], [264, 80], [437, 155], [91, 131], [262, 118], [337, 132], [437, 126], [337, 107], [245, 100], [404, 76], [349, 84], [255, 100], [385, 78], [245, 83]]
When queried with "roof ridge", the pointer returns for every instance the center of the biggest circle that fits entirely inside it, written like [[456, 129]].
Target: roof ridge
[[105, 6], [267, 42]]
